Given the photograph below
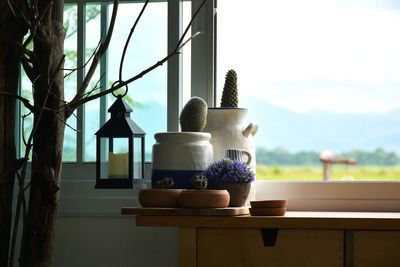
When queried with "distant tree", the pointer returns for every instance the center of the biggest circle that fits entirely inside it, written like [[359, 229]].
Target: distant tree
[[281, 156]]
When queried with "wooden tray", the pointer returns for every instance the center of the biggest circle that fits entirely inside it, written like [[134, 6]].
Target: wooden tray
[[234, 211]]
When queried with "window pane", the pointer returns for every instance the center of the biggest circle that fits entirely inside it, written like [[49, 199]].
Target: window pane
[[187, 54], [70, 51], [147, 96], [26, 121], [316, 75], [92, 108]]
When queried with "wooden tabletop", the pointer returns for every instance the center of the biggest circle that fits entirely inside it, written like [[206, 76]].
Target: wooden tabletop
[[291, 220]]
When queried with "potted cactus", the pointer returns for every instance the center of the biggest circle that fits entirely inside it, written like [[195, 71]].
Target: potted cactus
[[232, 175], [200, 197], [161, 196], [181, 155], [228, 124]]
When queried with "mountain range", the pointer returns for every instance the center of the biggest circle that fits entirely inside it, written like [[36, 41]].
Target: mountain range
[[316, 130]]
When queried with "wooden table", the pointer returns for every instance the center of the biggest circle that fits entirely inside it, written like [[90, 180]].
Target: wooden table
[[340, 239]]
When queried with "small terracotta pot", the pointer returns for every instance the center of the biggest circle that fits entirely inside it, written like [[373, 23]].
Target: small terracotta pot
[[204, 199], [268, 211], [152, 197], [238, 192], [278, 203]]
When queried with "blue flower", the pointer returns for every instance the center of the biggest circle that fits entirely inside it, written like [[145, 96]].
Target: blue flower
[[229, 171]]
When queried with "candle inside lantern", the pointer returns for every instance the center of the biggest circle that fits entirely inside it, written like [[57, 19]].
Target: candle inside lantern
[[118, 165]]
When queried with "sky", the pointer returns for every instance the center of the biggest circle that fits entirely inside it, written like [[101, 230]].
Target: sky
[[341, 56]]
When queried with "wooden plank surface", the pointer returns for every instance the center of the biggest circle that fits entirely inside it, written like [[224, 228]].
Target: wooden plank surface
[[291, 220], [236, 211]]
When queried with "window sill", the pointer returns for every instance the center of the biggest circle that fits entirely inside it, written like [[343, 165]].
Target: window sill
[[333, 195]]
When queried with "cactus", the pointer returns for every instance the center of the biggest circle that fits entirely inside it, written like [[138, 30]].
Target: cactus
[[230, 96], [165, 183], [199, 182], [193, 116]]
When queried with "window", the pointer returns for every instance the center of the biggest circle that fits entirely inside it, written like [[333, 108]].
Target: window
[[316, 75], [339, 56]]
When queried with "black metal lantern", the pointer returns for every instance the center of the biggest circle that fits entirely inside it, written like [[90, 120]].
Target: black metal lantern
[[120, 150]]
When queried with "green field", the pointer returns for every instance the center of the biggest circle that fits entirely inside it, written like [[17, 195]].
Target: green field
[[339, 173]]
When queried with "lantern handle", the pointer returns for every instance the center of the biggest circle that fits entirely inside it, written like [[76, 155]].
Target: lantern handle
[[119, 95]]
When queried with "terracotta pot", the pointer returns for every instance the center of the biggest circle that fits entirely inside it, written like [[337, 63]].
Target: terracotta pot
[[238, 192], [159, 197], [204, 199], [278, 203], [268, 211]]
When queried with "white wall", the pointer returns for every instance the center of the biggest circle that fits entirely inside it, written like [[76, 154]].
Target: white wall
[[113, 242], [91, 231]]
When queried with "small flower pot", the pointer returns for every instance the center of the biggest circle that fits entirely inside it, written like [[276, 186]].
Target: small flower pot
[[167, 198], [201, 199], [238, 192]]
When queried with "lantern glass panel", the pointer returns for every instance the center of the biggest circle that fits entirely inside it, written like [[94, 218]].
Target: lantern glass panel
[[114, 158], [137, 158]]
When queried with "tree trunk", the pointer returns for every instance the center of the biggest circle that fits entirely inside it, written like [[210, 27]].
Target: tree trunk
[[9, 73], [39, 231]]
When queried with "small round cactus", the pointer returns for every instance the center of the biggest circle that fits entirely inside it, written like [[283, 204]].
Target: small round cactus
[[199, 182], [230, 96], [193, 116], [165, 183]]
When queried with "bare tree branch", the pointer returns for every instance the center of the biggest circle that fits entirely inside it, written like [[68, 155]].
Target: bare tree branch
[[11, 8], [64, 121], [96, 59], [81, 67], [188, 40], [76, 102], [22, 99], [129, 38], [27, 68], [23, 127]]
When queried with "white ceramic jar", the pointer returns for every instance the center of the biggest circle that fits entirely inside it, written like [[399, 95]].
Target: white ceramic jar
[[180, 155], [230, 130]]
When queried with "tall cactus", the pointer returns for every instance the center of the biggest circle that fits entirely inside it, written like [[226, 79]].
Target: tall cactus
[[193, 116], [230, 97]]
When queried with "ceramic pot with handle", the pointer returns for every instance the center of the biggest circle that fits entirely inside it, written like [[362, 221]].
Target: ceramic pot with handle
[[230, 130]]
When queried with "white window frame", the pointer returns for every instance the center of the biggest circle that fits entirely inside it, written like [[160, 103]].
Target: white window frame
[[302, 195]]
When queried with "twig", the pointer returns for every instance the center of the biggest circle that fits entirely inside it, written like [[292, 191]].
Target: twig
[[23, 127], [28, 69], [76, 102], [95, 86], [188, 40], [87, 62], [11, 8], [20, 98], [129, 38], [64, 121]]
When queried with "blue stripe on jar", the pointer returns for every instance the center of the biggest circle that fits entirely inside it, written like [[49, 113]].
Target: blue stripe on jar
[[181, 177]]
